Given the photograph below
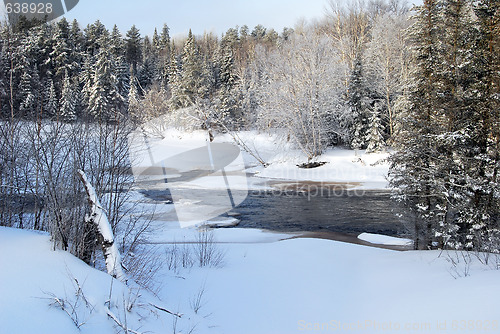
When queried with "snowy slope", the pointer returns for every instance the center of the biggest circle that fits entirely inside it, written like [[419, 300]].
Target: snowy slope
[[297, 285], [269, 287], [33, 276]]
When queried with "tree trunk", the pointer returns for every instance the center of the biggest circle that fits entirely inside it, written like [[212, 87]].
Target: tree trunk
[[98, 218]]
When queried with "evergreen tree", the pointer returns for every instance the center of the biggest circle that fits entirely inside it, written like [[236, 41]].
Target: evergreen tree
[[133, 98], [27, 96], [414, 167], [165, 37], [68, 105], [51, 105], [193, 75], [61, 52], [105, 102], [174, 81], [95, 34], [258, 32], [227, 105], [359, 103], [133, 48], [155, 43], [117, 45], [374, 137], [86, 80]]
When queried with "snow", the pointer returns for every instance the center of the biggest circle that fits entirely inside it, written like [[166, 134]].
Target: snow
[[384, 239], [272, 287], [360, 169], [32, 274], [344, 166], [267, 283]]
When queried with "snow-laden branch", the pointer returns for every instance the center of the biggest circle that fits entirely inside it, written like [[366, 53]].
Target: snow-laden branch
[[99, 218]]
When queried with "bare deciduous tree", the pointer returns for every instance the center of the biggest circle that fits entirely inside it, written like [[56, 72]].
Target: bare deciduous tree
[[301, 91]]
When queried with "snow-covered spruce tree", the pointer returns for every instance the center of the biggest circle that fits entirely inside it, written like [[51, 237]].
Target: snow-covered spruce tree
[[165, 39], [51, 106], [27, 96], [174, 81], [117, 44], [122, 68], [457, 104], [226, 103], [193, 76], [61, 52], [86, 81], [67, 110], [482, 158], [359, 103], [133, 99], [105, 100], [147, 73], [374, 136], [413, 170], [133, 48]]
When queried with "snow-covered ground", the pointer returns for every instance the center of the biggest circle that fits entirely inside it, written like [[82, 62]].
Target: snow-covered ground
[[290, 286], [362, 170], [266, 283]]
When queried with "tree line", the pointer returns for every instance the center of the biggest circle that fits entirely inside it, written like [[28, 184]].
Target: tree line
[[367, 75]]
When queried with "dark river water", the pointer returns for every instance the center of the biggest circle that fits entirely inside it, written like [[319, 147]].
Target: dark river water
[[350, 212], [337, 210]]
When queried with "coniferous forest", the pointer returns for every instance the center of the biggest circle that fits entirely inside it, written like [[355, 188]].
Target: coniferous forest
[[422, 82]]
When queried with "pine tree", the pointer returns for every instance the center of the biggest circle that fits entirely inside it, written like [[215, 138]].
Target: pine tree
[[133, 48], [374, 137], [359, 103], [414, 168], [27, 97], [174, 82], [61, 51], [67, 108], [193, 83], [105, 102], [51, 105], [133, 98]]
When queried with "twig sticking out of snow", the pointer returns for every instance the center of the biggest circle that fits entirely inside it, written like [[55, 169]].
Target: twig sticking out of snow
[[118, 322], [99, 218], [178, 315]]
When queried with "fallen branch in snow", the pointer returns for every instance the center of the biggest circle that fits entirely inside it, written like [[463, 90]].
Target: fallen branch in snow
[[99, 218], [178, 315], [118, 322]]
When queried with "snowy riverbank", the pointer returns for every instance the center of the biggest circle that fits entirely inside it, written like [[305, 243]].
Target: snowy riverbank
[[264, 283], [270, 287]]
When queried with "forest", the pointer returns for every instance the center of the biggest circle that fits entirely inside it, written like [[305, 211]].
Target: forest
[[422, 82]]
